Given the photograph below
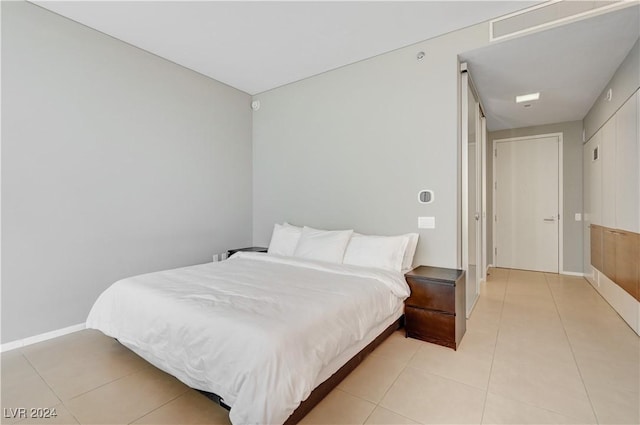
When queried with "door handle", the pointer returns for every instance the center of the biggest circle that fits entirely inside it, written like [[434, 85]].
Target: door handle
[[477, 216], [550, 219]]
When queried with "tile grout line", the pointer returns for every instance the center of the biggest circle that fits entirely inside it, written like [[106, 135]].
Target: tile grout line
[[48, 386], [84, 392], [408, 366], [93, 389], [370, 402], [573, 354], [546, 282], [388, 389], [493, 357], [392, 384], [528, 403], [162, 405], [375, 406], [106, 383], [447, 378]]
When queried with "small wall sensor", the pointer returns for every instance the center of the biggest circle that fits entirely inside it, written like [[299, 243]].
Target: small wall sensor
[[425, 196], [420, 56], [255, 105]]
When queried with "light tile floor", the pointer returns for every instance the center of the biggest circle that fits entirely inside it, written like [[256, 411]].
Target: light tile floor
[[539, 349]]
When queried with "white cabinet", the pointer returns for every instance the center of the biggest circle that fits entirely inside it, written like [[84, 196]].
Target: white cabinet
[[612, 182], [608, 155], [627, 167]]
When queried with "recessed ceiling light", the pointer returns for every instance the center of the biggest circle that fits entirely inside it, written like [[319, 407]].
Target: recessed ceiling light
[[527, 97]]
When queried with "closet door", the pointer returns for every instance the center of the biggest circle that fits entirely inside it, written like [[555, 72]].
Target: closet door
[[595, 179], [608, 155], [627, 168], [591, 192]]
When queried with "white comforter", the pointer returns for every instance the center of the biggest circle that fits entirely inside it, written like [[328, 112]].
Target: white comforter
[[256, 329]]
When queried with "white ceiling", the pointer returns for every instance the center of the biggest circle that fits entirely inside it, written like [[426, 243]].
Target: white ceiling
[[257, 46], [569, 65]]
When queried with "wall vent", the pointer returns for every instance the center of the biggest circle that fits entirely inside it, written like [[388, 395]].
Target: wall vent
[[547, 15]]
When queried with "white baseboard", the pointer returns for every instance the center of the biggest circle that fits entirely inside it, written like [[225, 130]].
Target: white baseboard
[[486, 272], [42, 337], [572, 273], [475, 301], [627, 307], [562, 272]]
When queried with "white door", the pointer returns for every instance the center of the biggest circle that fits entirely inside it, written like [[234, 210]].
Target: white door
[[527, 213]]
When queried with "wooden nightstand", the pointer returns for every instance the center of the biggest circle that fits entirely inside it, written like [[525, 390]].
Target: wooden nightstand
[[250, 249], [435, 311]]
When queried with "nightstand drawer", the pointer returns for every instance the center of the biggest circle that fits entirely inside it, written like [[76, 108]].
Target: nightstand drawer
[[431, 326], [433, 296]]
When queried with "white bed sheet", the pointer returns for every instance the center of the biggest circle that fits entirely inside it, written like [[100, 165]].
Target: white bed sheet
[[259, 330]]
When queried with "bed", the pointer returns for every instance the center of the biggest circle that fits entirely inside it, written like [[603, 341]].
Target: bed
[[261, 331]]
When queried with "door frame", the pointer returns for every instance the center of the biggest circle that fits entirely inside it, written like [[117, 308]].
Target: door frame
[[483, 190], [560, 192], [481, 140]]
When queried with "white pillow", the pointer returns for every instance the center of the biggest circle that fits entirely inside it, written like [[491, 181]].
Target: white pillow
[[410, 252], [382, 252], [284, 240], [285, 224], [323, 245]]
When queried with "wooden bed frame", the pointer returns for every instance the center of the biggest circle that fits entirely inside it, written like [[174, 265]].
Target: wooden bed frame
[[325, 388]]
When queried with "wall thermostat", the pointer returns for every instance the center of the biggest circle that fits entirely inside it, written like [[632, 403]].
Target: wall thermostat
[[425, 196]]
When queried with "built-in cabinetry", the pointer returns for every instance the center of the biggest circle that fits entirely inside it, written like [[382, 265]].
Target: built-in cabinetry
[[616, 254], [611, 165]]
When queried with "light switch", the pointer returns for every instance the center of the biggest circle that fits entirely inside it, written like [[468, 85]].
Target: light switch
[[578, 217], [426, 222]]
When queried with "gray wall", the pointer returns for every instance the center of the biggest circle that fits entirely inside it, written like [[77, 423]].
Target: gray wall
[[572, 187], [114, 162], [352, 147], [624, 83]]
